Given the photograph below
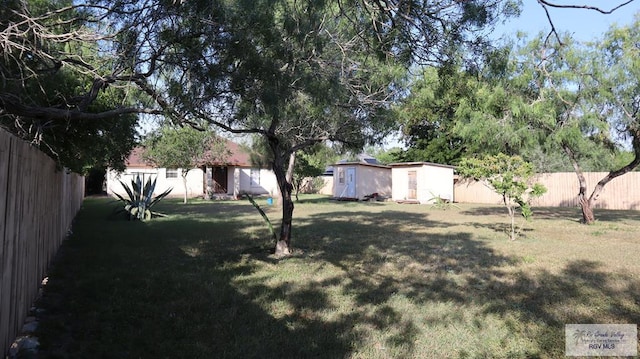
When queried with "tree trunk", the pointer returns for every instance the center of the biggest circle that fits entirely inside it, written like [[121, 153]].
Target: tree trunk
[[283, 245], [585, 204], [588, 217], [509, 205], [513, 223], [283, 176], [587, 210]]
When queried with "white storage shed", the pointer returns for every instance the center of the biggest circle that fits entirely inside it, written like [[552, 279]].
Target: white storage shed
[[421, 182]]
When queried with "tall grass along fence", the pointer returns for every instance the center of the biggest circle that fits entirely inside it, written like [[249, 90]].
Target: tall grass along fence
[[37, 206], [562, 191]]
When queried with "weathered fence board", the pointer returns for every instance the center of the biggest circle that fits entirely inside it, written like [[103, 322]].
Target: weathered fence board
[[37, 204], [562, 191]]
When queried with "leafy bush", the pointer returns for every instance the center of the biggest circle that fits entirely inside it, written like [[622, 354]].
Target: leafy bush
[[141, 199]]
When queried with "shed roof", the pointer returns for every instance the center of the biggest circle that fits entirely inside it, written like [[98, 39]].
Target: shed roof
[[365, 164], [419, 164]]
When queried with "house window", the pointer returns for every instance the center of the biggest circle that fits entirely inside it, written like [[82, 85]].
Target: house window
[[172, 173], [341, 175], [255, 177]]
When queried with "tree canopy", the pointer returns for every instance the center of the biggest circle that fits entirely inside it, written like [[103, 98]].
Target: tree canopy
[[294, 73], [39, 39], [563, 97]]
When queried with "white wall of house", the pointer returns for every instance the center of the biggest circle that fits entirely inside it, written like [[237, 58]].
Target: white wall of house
[[340, 186], [431, 180], [240, 179], [253, 180], [164, 181], [195, 178], [373, 180]]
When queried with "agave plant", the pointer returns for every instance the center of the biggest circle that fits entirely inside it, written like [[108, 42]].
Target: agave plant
[[141, 199]]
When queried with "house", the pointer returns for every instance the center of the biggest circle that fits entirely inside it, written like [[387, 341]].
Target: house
[[421, 182], [356, 180], [229, 178]]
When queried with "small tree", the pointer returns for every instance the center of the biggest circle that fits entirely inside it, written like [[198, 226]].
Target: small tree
[[508, 176], [184, 148]]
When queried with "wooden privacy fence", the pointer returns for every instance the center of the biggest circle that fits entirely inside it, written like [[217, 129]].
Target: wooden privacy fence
[[622, 192], [37, 206]]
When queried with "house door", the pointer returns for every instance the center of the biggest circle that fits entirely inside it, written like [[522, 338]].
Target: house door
[[412, 193], [351, 182], [219, 179]]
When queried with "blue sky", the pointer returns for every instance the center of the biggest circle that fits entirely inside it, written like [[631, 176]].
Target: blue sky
[[583, 24]]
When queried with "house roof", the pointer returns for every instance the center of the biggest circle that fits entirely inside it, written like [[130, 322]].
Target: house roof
[[135, 159], [236, 156]]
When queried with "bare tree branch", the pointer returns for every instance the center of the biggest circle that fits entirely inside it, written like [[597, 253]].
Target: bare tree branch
[[546, 4], [12, 105]]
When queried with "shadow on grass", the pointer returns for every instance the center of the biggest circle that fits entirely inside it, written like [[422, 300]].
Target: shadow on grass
[[190, 288], [385, 258], [208, 208], [572, 214], [569, 213], [163, 289], [313, 199], [504, 229]]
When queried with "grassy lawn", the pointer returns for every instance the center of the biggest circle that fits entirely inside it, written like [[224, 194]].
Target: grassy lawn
[[368, 280]]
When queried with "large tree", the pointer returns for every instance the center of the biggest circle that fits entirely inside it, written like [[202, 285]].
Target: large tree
[[616, 77], [427, 121], [294, 73], [439, 98], [589, 93], [562, 96]]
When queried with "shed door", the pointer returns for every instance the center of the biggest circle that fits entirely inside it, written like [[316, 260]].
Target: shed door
[[412, 193], [351, 182]]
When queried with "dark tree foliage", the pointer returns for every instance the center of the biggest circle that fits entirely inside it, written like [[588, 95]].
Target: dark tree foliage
[[428, 118], [33, 76]]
